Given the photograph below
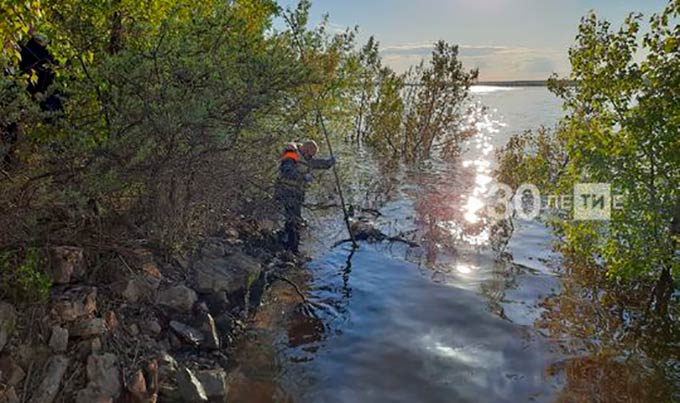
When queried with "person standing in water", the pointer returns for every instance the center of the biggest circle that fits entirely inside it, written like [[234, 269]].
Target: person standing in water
[[295, 173]]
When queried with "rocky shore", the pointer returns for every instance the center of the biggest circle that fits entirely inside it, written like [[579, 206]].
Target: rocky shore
[[136, 328]]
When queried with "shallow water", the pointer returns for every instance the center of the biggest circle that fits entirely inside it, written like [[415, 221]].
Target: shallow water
[[447, 321]]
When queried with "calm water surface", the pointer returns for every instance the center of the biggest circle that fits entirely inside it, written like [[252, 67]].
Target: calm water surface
[[445, 322]]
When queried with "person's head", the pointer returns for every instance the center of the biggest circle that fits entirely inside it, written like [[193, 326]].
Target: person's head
[[290, 147], [309, 149]]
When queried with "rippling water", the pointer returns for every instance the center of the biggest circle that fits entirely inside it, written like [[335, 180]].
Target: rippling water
[[444, 322]]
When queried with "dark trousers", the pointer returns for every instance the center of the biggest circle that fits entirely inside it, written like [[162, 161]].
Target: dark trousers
[[292, 205]]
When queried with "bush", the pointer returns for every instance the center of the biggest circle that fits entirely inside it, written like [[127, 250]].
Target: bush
[[23, 278]]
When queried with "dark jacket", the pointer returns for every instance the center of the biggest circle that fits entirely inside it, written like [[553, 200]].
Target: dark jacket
[[292, 173]]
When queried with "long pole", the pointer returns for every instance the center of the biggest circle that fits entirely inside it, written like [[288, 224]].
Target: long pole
[[337, 179], [328, 142]]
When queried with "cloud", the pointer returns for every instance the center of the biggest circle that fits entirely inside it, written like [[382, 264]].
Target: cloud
[[494, 62]]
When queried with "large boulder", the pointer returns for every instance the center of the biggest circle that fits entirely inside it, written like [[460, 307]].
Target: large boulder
[[213, 247], [8, 322], [103, 379], [49, 386], [68, 264], [231, 273], [181, 298]]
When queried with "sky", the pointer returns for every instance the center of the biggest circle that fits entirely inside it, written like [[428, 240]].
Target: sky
[[505, 39]]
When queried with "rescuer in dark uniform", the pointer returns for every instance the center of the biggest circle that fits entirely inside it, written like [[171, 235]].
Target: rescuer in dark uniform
[[295, 173]]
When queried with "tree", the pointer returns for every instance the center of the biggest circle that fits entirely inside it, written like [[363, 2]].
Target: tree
[[621, 127], [429, 109]]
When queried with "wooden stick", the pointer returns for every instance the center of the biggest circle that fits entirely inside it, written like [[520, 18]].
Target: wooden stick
[[337, 180]]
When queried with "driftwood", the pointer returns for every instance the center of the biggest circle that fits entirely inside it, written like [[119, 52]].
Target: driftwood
[[389, 239], [365, 231]]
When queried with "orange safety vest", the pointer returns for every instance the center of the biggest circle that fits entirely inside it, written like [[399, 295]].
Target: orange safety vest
[[292, 155]]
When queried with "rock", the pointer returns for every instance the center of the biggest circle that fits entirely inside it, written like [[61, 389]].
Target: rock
[[10, 373], [48, 388], [142, 287], [212, 340], [183, 260], [133, 329], [214, 382], [74, 304], [103, 379], [24, 354], [152, 271], [202, 307], [187, 333], [174, 342], [167, 366], [181, 298], [231, 273], [102, 373], [88, 347], [68, 264], [88, 328], [153, 327], [96, 345], [111, 320], [88, 395], [9, 395], [213, 248], [217, 302], [59, 339], [224, 323], [8, 322], [168, 393], [136, 387], [190, 387]]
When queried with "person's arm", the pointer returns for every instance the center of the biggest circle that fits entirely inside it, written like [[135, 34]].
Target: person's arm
[[322, 163]]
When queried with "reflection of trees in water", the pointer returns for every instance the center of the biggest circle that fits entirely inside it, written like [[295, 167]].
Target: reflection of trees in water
[[494, 290], [439, 199], [619, 354], [602, 378]]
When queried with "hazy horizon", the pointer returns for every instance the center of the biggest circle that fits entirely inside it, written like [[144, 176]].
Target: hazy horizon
[[507, 40]]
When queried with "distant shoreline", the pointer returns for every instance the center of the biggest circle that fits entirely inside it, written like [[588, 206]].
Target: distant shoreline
[[518, 83]]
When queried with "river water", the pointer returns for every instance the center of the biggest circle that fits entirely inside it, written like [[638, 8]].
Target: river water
[[444, 322]]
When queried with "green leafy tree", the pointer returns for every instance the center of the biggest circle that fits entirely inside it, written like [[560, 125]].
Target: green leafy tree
[[434, 104], [414, 114], [621, 127]]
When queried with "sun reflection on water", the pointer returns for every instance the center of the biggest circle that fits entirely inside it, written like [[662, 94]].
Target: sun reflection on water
[[479, 160]]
